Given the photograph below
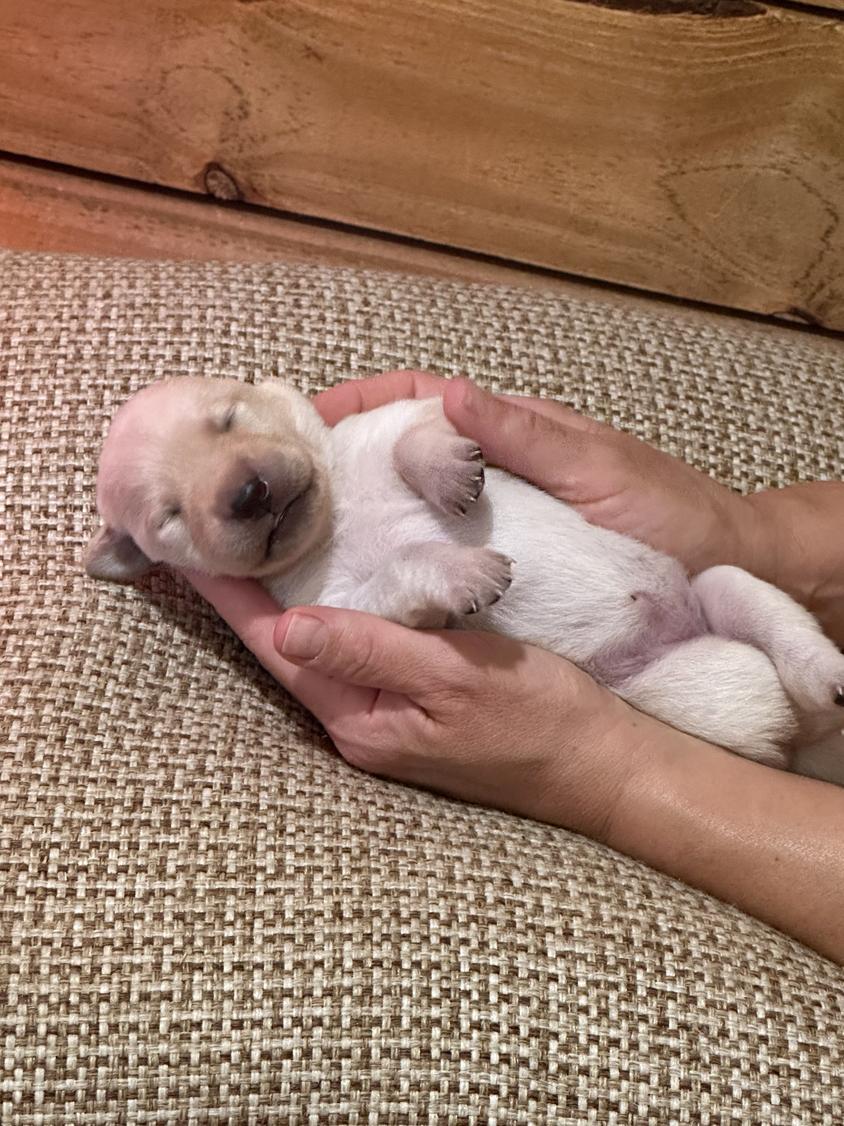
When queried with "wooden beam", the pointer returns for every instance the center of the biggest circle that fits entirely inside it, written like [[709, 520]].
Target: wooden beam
[[692, 148]]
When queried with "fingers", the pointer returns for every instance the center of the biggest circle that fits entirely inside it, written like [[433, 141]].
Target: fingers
[[371, 683], [364, 650], [254, 615], [246, 606], [541, 446], [361, 395], [556, 412], [341, 673]]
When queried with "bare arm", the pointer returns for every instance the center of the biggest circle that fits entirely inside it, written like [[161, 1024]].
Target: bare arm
[[766, 841]]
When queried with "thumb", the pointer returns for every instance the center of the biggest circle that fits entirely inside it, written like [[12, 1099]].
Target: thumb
[[365, 650], [540, 446]]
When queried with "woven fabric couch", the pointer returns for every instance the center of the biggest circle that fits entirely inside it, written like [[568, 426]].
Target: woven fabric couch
[[205, 915]]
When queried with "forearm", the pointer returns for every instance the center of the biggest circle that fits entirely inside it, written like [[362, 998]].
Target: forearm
[[769, 842], [795, 539]]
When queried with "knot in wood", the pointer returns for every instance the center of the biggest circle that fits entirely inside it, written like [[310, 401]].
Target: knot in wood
[[220, 184]]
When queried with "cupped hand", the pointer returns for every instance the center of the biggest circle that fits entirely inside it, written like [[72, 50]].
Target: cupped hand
[[471, 715]]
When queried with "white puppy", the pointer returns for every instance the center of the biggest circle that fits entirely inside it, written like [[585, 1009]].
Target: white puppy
[[391, 512]]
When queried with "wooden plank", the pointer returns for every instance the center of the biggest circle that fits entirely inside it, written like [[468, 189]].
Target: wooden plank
[[53, 210], [697, 155], [832, 5]]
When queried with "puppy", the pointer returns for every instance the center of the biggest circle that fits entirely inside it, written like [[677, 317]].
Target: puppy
[[393, 513]]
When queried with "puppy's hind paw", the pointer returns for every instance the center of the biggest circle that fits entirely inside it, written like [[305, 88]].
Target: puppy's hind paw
[[815, 678]]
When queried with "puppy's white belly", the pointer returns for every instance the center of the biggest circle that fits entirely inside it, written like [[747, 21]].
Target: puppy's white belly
[[600, 599]]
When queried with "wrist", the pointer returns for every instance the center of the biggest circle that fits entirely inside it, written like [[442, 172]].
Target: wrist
[[587, 770], [648, 754], [622, 748]]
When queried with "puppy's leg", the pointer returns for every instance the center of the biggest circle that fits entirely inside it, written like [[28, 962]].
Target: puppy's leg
[[441, 467], [720, 690], [425, 584], [811, 668]]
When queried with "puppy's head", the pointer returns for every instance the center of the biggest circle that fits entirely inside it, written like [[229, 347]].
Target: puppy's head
[[216, 475]]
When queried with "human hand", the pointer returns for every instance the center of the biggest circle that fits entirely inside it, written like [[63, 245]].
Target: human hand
[[612, 478], [581, 758], [471, 715], [484, 719], [787, 536]]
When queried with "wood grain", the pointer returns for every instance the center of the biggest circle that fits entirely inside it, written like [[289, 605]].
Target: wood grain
[[57, 211], [697, 155]]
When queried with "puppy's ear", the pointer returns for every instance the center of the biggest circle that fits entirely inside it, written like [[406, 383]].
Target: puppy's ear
[[115, 556]]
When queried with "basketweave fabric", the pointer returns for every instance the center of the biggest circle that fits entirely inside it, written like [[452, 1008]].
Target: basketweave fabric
[[206, 915]]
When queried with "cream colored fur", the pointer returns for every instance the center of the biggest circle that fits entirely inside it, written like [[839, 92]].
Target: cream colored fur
[[396, 518]]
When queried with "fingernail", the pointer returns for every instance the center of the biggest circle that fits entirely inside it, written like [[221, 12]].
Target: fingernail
[[304, 638]]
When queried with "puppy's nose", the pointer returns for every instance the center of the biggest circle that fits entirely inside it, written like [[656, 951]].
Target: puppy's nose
[[251, 500]]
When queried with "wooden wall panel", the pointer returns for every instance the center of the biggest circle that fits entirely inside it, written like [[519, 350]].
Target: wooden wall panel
[[834, 5], [694, 154], [49, 209]]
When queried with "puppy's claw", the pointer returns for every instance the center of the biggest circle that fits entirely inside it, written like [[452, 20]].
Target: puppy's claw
[[839, 695], [479, 582], [460, 478], [477, 486]]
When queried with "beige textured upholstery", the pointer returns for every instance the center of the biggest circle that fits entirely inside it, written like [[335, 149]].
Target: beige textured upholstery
[[206, 915]]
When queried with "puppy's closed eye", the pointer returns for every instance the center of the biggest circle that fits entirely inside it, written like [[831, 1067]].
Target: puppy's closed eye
[[227, 421]]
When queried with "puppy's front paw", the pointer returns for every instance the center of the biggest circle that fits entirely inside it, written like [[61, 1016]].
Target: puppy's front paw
[[483, 579], [459, 479]]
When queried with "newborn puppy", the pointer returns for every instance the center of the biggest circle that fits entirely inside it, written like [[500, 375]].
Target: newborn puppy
[[392, 513]]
